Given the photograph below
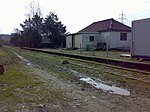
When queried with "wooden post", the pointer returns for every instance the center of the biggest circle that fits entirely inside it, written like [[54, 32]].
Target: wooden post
[[94, 49], [61, 46], [107, 48], [80, 49], [107, 52], [93, 52], [70, 47]]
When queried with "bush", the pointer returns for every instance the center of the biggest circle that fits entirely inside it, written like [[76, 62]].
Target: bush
[[65, 62]]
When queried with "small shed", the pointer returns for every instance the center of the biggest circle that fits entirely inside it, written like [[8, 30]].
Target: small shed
[[110, 32]]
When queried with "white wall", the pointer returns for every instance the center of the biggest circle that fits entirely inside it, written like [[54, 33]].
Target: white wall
[[115, 41], [111, 38], [68, 41], [78, 40], [86, 41], [105, 38]]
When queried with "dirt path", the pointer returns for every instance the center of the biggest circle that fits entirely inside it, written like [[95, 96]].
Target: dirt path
[[82, 96]]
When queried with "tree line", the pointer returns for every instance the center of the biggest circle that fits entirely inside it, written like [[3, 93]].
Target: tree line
[[37, 32]]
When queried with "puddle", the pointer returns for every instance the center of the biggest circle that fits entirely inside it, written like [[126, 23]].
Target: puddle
[[107, 88], [98, 85]]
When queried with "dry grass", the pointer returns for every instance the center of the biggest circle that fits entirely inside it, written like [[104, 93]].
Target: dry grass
[[21, 89]]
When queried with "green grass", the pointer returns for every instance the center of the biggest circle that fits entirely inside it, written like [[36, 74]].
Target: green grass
[[18, 85], [48, 62]]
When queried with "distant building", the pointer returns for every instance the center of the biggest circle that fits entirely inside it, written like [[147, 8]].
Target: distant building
[[111, 33], [5, 38]]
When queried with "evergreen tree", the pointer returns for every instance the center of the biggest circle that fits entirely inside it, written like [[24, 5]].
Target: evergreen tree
[[54, 29], [16, 38], [31, 34], [34, 29]]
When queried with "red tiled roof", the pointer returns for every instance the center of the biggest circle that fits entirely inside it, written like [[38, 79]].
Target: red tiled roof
[[106, 25]]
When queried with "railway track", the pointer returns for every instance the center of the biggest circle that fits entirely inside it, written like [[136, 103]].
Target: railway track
[[145, 79], [126, 66], [120, 63]]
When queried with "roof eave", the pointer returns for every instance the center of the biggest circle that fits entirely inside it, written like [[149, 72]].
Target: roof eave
[[117, 30], [73, 34]]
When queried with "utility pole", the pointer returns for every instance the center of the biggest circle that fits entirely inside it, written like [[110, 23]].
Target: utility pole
[[122, 17]]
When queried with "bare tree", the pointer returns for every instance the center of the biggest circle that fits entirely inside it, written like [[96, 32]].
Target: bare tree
[[34, 9]]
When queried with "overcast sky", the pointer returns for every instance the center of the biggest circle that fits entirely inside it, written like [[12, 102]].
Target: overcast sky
[[75, 14]]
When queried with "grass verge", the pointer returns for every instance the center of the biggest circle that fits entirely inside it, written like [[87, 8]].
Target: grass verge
[[20, 89]]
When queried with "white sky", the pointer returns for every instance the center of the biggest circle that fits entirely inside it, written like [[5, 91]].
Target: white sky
[[75, 14]]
